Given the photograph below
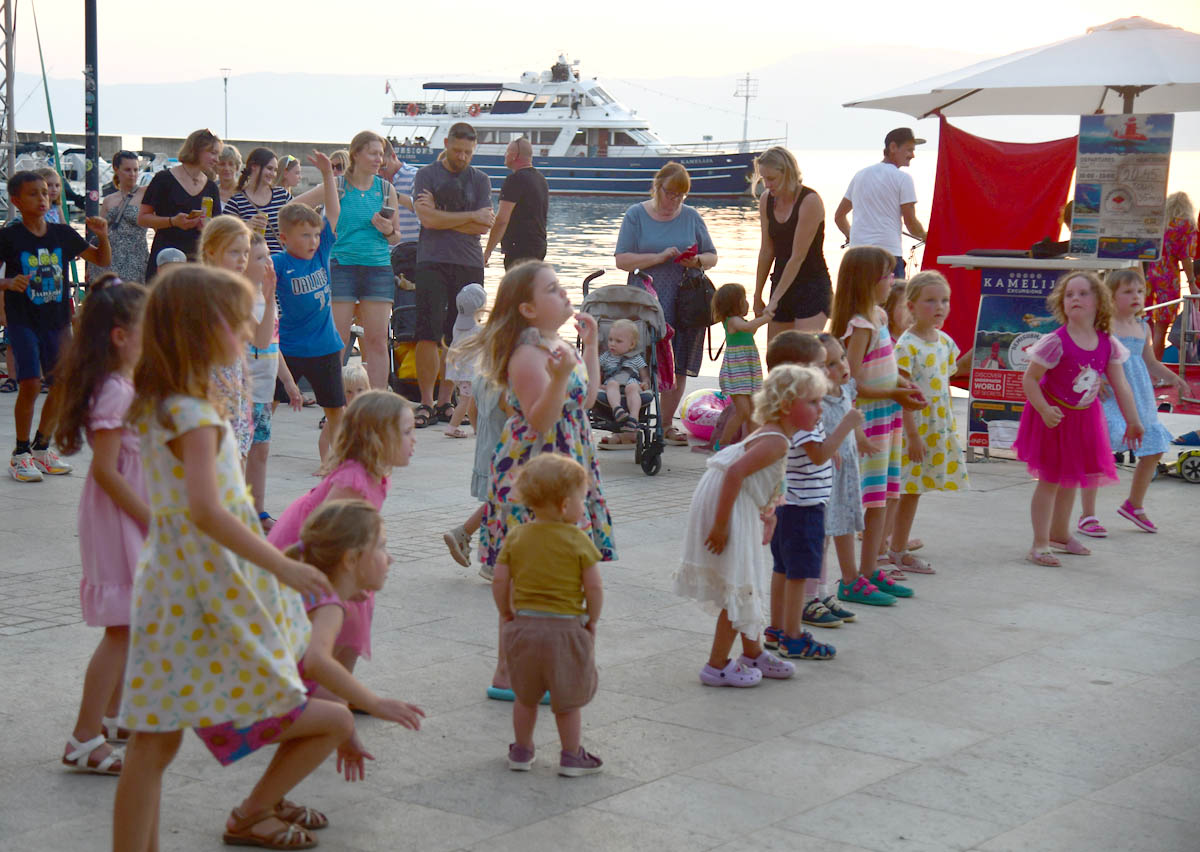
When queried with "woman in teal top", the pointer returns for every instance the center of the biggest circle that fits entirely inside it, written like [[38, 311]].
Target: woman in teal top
[[360, 271]]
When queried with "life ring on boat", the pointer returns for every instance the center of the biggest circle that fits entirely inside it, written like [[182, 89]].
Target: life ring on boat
[[473, 110], [412, 109]]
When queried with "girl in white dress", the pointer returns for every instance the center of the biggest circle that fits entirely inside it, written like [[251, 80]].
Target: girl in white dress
[[732, 517]]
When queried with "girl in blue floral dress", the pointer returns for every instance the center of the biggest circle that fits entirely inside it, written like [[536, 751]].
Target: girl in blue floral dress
[[550, 389]]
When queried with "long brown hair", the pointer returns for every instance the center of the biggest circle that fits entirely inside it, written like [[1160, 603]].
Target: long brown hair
[[110, 304], [258, 158], [859, 272], [190, 314], [496, 340]]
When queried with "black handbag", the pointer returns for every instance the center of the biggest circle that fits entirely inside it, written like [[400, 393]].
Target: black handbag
[[693, 304]]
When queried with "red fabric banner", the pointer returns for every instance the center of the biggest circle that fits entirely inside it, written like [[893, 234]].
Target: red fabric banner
[[991, 195]]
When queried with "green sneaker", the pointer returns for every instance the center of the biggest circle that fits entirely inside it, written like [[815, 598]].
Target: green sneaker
[[864, 592], [890, 586]]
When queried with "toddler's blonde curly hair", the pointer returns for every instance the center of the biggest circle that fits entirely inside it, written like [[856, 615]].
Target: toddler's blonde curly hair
[[783, 386]]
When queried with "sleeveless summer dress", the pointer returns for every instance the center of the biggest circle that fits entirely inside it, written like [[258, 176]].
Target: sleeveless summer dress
[[130, 251], [741, 369], [880, 471], [1157, 439]]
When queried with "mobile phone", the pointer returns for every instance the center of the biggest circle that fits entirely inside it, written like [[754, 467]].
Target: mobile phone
[[387, 212]]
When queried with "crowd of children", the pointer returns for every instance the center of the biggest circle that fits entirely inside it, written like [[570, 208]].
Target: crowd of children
[[247, 629]]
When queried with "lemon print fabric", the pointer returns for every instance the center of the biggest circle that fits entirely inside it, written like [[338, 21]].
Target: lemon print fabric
[[212, 638], [930, 365]]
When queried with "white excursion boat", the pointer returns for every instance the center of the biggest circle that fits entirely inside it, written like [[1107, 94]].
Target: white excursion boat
[[585, 141]]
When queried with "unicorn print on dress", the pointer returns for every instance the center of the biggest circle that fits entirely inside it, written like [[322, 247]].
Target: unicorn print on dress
[[1087, 382]]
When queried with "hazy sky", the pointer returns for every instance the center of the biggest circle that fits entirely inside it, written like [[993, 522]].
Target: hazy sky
[[167, 40]]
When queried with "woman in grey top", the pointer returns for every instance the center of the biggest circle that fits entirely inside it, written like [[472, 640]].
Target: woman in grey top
[[653, 235]]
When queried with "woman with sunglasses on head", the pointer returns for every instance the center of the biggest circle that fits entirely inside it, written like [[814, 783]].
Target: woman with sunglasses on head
[[120, 208], [229, 165], [288, 173], [655, 237], [181, 200]]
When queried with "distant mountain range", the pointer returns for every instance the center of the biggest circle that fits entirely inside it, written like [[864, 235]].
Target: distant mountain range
[[801, 95]]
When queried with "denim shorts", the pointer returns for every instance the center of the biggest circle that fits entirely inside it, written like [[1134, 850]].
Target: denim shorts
[[262, 422], [351, 283], [35, 350]]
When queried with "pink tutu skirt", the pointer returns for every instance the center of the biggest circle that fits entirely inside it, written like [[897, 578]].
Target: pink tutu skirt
[[1074, 454]]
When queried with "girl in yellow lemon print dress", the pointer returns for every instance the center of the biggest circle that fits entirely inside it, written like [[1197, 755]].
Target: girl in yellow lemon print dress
[[217, 622], [933, 457]]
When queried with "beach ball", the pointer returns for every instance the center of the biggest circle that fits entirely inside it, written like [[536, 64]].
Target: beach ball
[[700, 411]]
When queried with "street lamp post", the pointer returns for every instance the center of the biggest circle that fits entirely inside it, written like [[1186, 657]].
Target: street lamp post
[[225, 74]]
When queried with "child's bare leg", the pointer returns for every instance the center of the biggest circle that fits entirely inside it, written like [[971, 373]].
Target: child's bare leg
[[741, 413], [302, 748], [793, 606], [722, 644], [889, 524], [1087, 500], [1040, 509], [458, 412], [333, 419], [778, 584], [101, 686], [752, 648], [874, 521], [1143, 474], [524, 718], [633, 400], [28, 391], [256, 472], [843, 545], [1060, 521], [500, 676], [472, 524], [570, 725], [906, 513], [139, 791], [612, 392]]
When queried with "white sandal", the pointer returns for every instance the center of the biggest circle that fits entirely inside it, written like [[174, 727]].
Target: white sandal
[[77, 757], [110, 726]]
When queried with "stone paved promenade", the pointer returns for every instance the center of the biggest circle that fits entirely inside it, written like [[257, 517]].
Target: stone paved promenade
[[1005, 707]]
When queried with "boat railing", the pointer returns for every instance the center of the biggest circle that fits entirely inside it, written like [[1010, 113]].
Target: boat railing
[[667, 149], [441, 107]]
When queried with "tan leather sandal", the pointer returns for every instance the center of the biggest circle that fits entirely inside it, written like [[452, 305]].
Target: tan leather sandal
[[301, 815], [242, 833]]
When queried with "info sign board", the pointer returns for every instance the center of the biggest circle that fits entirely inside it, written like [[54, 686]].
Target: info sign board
[[1012, 317], [1121, 186]]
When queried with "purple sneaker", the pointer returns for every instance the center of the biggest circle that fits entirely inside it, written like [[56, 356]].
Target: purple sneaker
[[574, 764], [520, 758], [734, 674], [770, 665]]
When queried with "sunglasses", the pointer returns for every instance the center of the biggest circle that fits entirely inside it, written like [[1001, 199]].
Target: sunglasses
[[338, 167]]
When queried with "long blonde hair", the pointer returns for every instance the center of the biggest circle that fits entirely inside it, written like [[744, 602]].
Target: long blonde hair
[[369, 429], [218, 234], [782, 160], [1179, 206], [498, 337], [190, 316], [332, 530]]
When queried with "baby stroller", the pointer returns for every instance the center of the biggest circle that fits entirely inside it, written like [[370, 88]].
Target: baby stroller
[[620, 301]]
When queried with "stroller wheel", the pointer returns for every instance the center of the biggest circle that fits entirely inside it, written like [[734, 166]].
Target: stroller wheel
[[651, 463]]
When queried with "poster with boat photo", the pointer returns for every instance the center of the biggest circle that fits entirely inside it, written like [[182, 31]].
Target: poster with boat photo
[[1121, 185], [1012, 317]]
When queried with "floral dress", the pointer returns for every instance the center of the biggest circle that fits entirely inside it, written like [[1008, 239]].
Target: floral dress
[[1162, 276], [212, 638], [572, 436], [930, 365], [130, 251]]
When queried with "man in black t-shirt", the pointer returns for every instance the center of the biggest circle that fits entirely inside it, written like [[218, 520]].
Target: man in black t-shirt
[[520, 225]]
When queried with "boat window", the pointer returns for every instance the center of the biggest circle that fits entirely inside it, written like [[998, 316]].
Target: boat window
[[561, 101], [541, 102], [512, 103], [580, 138], [623, 138], [601, 96]]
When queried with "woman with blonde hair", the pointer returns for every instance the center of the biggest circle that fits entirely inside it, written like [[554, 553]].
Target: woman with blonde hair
[[654, 234], [229, 165], [181, 200], [792, 219], [1162, 276], [288, 176]]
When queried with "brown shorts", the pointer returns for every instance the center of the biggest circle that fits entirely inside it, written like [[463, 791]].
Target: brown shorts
[[556, 654]]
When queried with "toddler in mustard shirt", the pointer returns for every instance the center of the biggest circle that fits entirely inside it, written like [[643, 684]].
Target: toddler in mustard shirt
[[545, 572]]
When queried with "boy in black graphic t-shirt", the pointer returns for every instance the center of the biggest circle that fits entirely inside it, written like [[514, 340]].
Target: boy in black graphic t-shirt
[[35, 255]]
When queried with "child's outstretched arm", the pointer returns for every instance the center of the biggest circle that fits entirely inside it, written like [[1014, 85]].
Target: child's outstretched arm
[[1156, 368], [739, 324], [106, 447], [323, 667], [1133, 424], [197, 450], [266, 327], [593, 593], [759, 455], [915, 446], [589, 336], [820, 452]]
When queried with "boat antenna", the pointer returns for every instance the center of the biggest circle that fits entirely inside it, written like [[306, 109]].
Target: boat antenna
[[747, 88]]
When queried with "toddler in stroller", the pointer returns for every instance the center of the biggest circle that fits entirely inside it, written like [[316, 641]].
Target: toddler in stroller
[[616, 309]]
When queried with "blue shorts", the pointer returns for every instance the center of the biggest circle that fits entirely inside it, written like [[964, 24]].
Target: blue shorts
[[351, 283], [35, 350], [262, 423], [799, 541]]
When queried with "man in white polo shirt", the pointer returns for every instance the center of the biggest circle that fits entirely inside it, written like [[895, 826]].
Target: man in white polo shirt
[[882, 196]]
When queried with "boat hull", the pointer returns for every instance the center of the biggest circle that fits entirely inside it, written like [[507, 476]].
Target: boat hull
[[713, 175]]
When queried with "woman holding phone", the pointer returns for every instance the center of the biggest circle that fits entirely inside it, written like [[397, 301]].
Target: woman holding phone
[[360, 271], [180, 200]]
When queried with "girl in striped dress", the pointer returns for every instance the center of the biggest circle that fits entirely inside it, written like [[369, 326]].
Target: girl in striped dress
[[864, 281], [741, 370]]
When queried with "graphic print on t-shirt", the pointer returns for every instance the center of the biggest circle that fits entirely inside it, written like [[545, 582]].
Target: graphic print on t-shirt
[[45, 273], [316, 282]]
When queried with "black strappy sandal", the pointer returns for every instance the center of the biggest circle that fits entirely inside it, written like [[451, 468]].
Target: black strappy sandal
[[424, 415]]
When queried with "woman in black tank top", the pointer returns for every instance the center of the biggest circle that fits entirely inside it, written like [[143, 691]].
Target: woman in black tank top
[[793, 231]]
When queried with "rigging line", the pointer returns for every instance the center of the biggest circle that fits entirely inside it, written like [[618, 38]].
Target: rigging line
[[697, 103]]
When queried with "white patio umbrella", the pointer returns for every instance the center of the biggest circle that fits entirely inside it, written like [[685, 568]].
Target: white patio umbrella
[[1129, 65]]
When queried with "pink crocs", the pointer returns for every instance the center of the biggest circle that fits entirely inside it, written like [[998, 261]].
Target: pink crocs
[[735, 673], [770, 665]]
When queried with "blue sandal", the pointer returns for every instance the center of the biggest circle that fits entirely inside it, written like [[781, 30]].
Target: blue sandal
[[1188, 439], [804, 647]]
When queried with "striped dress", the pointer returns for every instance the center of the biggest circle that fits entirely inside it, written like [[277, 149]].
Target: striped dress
[[880, 471], [741, 370]]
